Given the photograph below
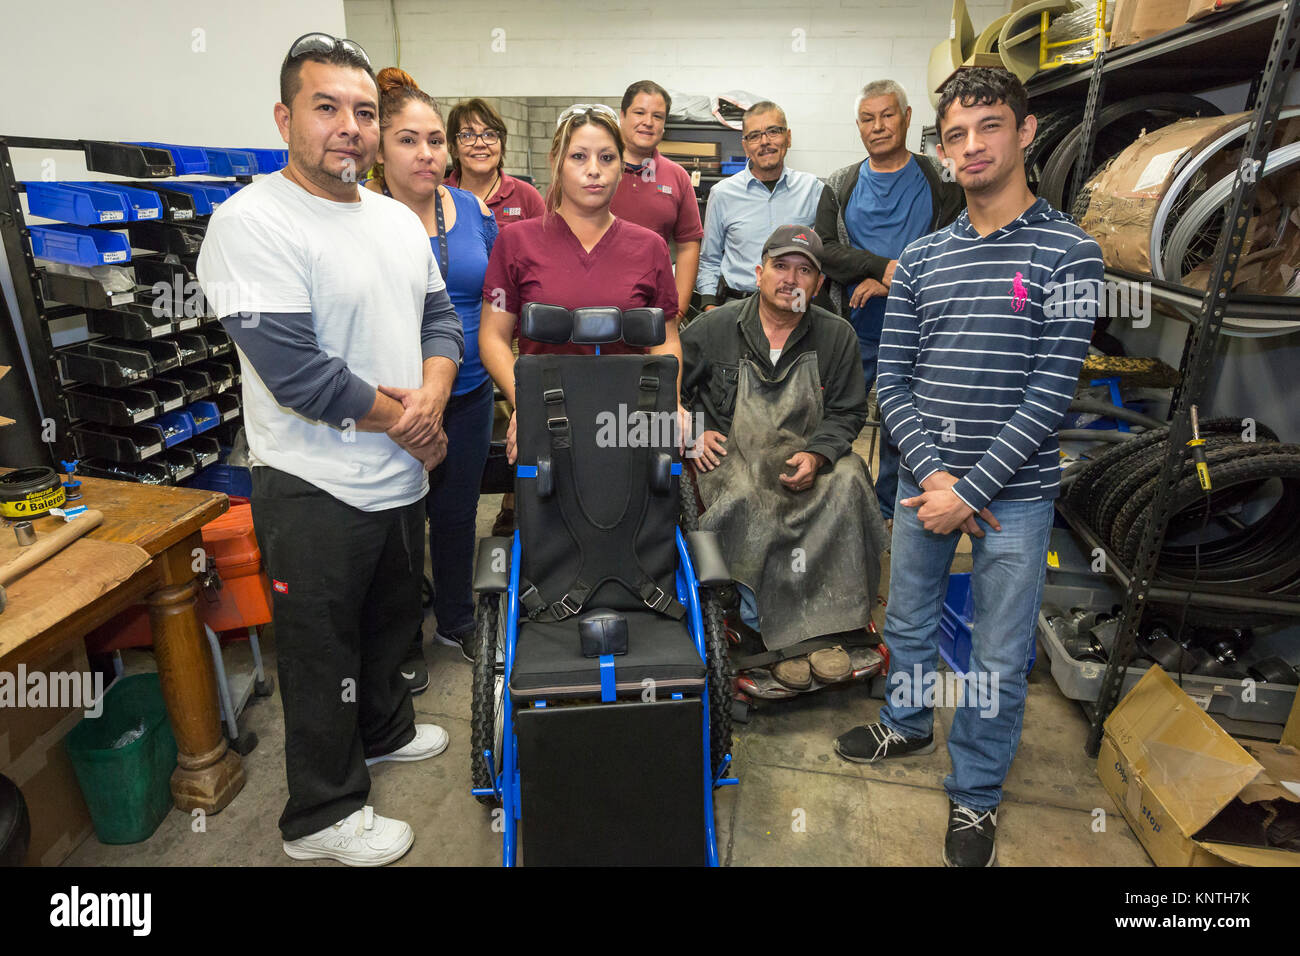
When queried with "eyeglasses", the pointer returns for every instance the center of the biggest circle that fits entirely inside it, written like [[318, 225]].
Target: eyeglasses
[[577, 108], [324, 43], [466, 137], [773, 132]]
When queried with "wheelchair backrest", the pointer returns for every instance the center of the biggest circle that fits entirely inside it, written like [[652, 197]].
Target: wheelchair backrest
[[596, 489]]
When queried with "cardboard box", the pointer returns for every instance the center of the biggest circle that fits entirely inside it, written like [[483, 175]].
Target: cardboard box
[[1184, 785], [1136, 20], [1200, 9], [32, 755], [1124, 197], [683, 148]]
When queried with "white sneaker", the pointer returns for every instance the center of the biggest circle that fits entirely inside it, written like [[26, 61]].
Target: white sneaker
[[429, 741], [362, 839]]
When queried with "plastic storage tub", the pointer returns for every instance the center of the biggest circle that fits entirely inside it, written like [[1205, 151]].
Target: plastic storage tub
[[269, 160], [230, 162], [229, 479], [76, 204], [955, 623], [245, 596], [127, 788], [79, 246]]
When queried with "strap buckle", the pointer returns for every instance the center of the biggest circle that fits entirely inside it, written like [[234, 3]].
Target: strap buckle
[[659, 597], [553, 396], [558, 424], [649, 382], [563, 605]]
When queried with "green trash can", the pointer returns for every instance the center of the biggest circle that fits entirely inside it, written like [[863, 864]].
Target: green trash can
[[124, 760]]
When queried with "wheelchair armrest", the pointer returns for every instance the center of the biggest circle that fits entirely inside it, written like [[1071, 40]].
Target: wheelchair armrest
[[706, 552], [492, 565]]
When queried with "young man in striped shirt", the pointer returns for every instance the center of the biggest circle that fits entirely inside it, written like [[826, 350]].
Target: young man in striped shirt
[[986, 327]]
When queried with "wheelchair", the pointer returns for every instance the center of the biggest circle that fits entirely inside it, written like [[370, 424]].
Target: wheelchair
[[602, 691]]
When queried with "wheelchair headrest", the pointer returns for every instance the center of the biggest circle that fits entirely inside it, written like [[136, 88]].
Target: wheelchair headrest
[[592, 325]]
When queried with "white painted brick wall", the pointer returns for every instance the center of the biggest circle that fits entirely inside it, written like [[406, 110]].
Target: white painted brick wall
[[584, 50]]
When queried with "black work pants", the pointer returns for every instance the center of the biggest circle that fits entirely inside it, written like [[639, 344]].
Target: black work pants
[[346, 600]]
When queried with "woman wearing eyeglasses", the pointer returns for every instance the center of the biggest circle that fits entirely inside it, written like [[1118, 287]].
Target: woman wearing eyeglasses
[[578, 254], [477, 136], [413, 156]]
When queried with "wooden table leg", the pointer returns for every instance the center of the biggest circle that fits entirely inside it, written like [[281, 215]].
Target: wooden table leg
[[209, 773]]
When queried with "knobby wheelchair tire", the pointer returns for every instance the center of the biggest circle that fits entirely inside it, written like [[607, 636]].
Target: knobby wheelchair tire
[[482, 724], [722, 679]]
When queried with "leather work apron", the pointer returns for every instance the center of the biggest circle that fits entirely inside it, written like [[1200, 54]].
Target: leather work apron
[[812, 558]]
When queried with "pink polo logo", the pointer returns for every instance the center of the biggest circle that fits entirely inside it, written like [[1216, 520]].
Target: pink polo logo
[[1019, 294]]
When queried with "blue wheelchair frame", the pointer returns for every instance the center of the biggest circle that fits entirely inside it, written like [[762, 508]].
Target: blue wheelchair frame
[[506, 785]]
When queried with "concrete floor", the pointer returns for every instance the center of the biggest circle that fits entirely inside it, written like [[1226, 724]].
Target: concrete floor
[[798, 803]]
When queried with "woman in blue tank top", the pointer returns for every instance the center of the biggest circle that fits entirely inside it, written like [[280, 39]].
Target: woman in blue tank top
[[413, 162]]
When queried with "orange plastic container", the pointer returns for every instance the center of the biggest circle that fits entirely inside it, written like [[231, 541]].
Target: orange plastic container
[[244, 600], [245, 597]]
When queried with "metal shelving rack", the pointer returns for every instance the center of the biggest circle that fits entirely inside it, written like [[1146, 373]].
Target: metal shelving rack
[[1225, 49], [45, 295]]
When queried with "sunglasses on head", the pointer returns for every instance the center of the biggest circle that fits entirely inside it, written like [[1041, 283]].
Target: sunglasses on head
[[324, 43], [577, 108]]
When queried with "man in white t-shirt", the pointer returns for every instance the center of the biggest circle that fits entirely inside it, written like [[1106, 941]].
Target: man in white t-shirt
[[349, 346]]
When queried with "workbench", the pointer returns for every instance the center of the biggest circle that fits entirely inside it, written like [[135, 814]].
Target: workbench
[[163, 524]]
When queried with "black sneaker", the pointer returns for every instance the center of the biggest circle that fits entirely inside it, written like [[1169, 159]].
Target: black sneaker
[[415, 670], [464, 640], [970, 836], [872, 742]]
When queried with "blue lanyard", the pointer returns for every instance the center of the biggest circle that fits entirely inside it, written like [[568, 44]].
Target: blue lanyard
[[442, 231]]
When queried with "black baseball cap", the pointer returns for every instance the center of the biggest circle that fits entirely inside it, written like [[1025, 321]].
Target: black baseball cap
[[800, 239]]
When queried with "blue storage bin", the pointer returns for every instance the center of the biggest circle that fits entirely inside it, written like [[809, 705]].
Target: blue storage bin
[[955, 622], [204, 415], [728, 168], [176, 426], [201, 193], [188, 160], [74, 203], [230, 162], [141, 204], [230, 479], [79, 246], [269, 160]]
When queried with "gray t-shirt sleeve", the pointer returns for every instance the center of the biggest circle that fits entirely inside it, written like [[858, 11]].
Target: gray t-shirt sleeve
[[441, 332], [283, 350]]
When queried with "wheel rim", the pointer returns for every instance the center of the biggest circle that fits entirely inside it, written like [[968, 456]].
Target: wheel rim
[[1173, 200], [1188, 228]]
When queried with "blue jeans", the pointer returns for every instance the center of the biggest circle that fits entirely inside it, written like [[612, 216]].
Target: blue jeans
[[452, 507], [887, 474], [1009, 567]]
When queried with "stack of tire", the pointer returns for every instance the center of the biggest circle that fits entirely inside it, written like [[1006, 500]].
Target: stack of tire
[[1242, 534]]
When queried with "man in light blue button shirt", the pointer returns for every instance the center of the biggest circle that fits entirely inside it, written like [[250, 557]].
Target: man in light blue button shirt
[[744, 209]]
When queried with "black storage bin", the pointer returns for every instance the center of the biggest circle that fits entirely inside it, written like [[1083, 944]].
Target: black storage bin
[[111, 406], [134, 322], [125, 443], [145, 472], [105, 363]]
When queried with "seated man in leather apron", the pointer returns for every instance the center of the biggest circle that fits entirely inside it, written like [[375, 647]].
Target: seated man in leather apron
[[777, 389]]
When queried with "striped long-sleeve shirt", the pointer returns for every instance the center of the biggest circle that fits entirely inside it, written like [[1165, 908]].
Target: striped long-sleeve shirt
[[980, 355]]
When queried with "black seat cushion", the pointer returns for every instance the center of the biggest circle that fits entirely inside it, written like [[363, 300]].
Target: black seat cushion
[[549, 663]]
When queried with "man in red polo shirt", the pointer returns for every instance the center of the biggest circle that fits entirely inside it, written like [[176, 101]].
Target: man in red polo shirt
[[655, 192]]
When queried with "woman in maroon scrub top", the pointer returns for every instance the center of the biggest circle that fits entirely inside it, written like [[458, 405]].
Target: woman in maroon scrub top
[[578, 254]]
